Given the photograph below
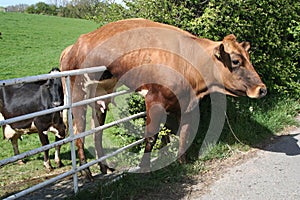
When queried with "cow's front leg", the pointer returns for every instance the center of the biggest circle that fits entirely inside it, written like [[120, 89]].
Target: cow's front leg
[[44, 140], [187, 133], [79, 118], [57, 154], [14, 142], [99, 115], [155, 115], [183, 143]]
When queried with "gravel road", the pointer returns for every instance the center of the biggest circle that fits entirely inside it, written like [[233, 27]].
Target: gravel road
[[273, 174]]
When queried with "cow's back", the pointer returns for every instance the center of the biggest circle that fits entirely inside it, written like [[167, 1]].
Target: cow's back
[[17, 100], [115, 39]]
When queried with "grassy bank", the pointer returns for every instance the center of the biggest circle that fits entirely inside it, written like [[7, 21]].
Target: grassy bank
[[31, 45]]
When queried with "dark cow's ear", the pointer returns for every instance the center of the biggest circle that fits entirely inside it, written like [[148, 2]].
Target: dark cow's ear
[[245, 45], [48, 83], [223, 56]]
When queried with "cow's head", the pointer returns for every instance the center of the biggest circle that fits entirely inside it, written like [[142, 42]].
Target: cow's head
[[55, 90], [238, 74]]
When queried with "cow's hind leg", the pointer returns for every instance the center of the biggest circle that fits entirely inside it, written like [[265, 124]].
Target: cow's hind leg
[[156, 115]]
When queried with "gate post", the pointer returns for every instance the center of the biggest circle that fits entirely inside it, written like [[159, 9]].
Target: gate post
[[71, 131]]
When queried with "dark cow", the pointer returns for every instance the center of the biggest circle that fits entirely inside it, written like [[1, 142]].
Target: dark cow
[[174, 67], [27, 98]]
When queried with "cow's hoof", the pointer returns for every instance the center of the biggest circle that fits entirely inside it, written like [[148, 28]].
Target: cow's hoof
[[48, 166], [110, 170], [144, 169], [182, 159], [105, 169], [49, 169], [59, 164], [21, 162], [87, 175]]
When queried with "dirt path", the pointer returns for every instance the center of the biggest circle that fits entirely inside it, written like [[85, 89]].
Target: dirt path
[[272, 173]]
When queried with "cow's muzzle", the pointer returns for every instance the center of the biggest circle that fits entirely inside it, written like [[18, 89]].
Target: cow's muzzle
[[257, 92], [262, 92], [56, 103]]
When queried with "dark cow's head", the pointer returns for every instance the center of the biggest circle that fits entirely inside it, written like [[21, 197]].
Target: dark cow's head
[[55, 90], [238, 75]]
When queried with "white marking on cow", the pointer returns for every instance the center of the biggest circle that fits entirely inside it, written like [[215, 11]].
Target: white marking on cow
[[102, 105], [143, 92]]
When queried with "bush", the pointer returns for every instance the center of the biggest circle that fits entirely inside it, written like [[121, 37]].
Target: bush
[[271, 27]]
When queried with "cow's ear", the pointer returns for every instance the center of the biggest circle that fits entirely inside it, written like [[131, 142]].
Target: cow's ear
[[217, 52], [223, 56], [245, 45]]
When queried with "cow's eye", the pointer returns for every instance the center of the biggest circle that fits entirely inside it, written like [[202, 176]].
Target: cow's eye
[[236, 62]]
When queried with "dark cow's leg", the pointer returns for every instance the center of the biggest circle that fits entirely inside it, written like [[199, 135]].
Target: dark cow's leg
[[59, 129], [44, 140], [99, 119], [14, 142], [57, 154], [155, 116]]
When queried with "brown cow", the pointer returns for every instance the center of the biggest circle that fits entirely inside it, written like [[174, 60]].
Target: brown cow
[[175, 67]]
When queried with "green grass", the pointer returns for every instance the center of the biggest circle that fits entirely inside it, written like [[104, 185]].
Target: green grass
[[31, 45]]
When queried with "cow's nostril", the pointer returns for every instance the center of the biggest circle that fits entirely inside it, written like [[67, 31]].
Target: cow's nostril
[[262, 92]]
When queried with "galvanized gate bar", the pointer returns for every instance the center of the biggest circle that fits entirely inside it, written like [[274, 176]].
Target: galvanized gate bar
[[32, 115], [71, 132], [42, 77], [91, 100]]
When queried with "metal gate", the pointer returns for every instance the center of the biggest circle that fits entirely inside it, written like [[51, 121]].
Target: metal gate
[[68, 105]]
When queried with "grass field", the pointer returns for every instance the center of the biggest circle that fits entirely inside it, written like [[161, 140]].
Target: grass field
[[31, 45]]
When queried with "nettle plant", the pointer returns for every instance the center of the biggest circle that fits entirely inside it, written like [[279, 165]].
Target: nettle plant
[[135, 129]]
